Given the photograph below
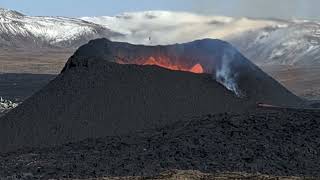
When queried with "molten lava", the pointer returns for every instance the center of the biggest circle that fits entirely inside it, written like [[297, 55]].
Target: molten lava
[[165, 63], [197, 69]]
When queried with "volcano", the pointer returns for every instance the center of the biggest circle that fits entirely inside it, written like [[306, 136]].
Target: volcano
[[111, 88]]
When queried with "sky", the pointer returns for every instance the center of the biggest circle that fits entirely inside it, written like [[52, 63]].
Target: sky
[[284, 9]]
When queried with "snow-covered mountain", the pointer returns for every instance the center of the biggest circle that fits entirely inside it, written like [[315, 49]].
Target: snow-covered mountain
[[293, 43], [264, 41], [18, 30]]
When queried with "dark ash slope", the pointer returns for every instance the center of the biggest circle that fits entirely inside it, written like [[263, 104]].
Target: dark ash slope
[[110, 99]]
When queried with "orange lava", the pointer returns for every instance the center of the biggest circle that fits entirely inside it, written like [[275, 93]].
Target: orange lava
[[197, 69], [163, 62]]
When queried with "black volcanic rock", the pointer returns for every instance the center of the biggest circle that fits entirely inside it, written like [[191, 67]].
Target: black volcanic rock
[[94, 97], [274, 142]]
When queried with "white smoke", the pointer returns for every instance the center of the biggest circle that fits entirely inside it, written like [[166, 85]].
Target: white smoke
[[227, 76]]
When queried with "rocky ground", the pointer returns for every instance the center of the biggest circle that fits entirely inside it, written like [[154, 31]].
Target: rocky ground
[[280, 142]]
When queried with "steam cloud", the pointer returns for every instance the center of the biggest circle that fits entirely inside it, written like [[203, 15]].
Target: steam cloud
[[157, 27]]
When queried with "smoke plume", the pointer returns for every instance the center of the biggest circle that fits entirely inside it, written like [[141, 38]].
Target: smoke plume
[[225, 75]]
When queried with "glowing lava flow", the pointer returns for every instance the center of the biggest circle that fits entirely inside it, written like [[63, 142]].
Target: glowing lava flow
[[162, 62], [197, 69]]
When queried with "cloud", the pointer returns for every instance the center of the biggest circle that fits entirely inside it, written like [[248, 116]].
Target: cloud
[[164, 27], [287, 9]]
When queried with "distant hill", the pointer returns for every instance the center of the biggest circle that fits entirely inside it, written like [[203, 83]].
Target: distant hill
[[21, 31]]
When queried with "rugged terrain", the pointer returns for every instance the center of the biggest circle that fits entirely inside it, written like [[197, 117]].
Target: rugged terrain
[[283, 142]]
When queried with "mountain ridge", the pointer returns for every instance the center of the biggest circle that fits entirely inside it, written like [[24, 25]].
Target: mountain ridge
[[264, 41], [18, 30]]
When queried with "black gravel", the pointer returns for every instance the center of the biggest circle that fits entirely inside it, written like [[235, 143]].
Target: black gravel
[[274, 142]]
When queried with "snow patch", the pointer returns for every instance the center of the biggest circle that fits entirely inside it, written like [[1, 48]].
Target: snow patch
[[6, 105]]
